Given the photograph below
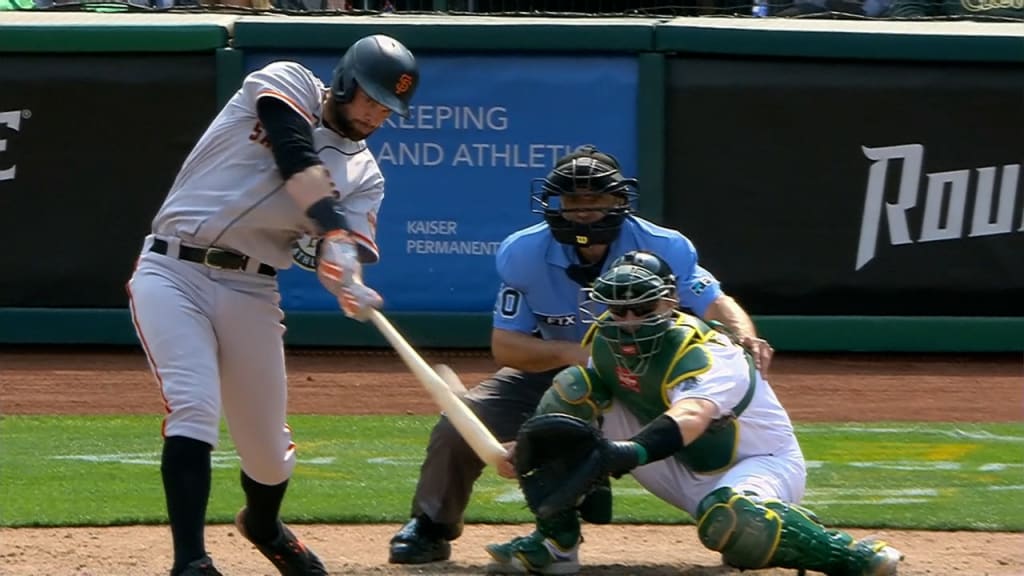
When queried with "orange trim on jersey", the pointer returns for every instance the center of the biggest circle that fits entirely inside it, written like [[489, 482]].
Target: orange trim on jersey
[[366, 241], [149, 356], [287, 100], [292, 446]]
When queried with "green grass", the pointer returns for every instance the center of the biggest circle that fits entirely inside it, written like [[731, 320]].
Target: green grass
[[101, 470]]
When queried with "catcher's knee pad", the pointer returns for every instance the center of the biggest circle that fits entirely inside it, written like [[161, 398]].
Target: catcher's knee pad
[[570, 393], [744, 531]]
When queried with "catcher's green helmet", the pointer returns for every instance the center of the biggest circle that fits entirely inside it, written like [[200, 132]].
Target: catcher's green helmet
[[648, 260], [635, 321]]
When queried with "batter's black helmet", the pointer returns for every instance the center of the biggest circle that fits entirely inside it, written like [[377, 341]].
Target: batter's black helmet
[[585, 171], [380, 65]]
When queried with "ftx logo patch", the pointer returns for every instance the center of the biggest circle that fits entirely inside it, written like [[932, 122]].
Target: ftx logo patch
[[569, 320]]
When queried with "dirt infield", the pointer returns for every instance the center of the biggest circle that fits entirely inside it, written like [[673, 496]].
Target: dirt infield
[[814, 388]]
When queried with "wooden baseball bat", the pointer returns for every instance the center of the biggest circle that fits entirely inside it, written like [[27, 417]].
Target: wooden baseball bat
[[465, 421], [451, 379]]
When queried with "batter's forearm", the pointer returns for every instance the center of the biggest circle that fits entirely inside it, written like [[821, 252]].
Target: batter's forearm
[[529, 354], [727, 311], [309, 186]]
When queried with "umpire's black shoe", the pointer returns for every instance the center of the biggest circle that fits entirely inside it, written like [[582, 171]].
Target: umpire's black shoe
[[421, 541], [289, 555]]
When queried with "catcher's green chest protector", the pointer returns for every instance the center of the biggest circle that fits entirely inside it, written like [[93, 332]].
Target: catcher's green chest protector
[[684, 355]]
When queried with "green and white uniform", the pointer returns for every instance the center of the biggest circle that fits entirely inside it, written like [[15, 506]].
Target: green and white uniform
[[740, 479], [750, 446]]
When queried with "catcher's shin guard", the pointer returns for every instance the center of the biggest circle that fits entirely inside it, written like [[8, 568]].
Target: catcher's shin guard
[[752, 534]]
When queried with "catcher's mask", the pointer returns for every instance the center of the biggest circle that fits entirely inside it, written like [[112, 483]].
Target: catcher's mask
[[383, 68], [638, 295], [585, 172]]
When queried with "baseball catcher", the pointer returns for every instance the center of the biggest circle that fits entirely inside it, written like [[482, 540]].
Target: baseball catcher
[[679, 405]]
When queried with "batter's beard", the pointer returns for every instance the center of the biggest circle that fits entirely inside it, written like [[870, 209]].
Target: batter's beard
[[346, 128]]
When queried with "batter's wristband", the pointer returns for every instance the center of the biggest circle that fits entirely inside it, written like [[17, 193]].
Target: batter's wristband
[[327, 218]]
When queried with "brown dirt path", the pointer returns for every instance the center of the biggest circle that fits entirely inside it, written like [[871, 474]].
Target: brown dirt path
[[361, 550], [814, 387]]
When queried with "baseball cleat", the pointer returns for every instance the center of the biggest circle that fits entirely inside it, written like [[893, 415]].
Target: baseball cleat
[[288, 554], [201, 567], [885, 560], [533, 554]]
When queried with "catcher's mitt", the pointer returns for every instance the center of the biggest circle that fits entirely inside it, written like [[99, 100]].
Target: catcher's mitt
[[559, 459]]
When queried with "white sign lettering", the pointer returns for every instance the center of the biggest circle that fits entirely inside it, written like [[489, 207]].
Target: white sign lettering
[[945, 201], [12, 120]]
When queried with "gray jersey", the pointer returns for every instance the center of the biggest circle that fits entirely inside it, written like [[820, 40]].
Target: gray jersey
[[211, 324], [229, 192]]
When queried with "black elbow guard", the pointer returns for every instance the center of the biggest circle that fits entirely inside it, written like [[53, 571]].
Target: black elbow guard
[[289, 134]]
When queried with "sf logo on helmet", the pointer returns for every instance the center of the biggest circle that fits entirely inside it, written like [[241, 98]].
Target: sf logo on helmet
[[404, 84]]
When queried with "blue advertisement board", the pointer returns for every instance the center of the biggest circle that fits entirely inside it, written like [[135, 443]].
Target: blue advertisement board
[[458, 170]]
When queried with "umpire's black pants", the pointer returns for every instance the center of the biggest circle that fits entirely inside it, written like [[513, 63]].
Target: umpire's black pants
[[502, 402]]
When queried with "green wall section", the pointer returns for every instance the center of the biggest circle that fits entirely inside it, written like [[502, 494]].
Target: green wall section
[[90, 33], [469, 34], [650, 124], [112, 39], [868, 40], [227, 37], [472, 331], [230, 72]]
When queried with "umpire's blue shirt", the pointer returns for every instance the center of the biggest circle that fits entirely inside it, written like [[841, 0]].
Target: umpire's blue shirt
[[537, 295]]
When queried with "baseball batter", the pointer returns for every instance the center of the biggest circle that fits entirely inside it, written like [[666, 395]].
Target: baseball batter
[[284, 158], [697, 426]]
